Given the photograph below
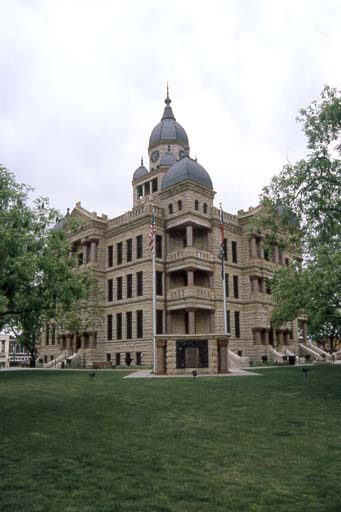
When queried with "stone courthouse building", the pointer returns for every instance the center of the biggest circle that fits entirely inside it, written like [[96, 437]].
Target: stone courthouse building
[[189, 290]]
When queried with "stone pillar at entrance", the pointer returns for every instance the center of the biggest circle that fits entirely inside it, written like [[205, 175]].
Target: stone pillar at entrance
[[161, 368], [85, 254], [83, 341], [189, 235], [92, 340], [222, 356], [266, 338], [257, 337], [69, 341], [276, 254]]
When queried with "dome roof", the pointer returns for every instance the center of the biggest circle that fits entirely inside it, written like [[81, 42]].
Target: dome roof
[[187, 169], [140, 171], [168, 130], [168, 159]]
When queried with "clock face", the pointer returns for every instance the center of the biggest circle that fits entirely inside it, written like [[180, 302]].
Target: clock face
[[155, 156], [182, 153]]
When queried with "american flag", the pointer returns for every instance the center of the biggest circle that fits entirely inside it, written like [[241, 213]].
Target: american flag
[[152, 231], [222, 251]]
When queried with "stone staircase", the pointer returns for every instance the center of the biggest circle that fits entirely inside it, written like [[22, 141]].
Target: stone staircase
[[236, 361]]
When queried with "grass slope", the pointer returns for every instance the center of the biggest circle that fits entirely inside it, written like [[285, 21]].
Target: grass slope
[[269, 443]]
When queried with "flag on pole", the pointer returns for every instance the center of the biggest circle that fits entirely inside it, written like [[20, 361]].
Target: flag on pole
[[222, 249], [152, 231]]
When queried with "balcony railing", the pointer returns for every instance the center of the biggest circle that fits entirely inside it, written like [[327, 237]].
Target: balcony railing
[[261, 297], [190, 252], [191, 292]]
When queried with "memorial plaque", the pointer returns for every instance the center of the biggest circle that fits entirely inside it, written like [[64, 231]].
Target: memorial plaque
[[192, 357], [192, 354]]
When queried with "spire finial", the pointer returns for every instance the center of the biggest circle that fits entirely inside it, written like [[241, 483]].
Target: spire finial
[[167, 100], [141, 161], [168, 147]]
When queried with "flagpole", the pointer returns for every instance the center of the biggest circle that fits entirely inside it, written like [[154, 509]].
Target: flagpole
[[222, 252]]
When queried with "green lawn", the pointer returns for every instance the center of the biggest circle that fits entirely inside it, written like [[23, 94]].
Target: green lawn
[[270, 443]]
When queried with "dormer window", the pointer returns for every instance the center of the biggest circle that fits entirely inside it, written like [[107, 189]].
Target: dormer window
[[205, 208], [154, 185]]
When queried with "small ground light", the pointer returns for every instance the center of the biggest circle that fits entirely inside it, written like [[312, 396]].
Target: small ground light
[[92, 375], [305, 372]]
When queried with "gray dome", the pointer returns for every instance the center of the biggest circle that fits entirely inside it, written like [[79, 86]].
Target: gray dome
[[61, 223], [140, 171], [168, 130], [187, 169], [168, 159]]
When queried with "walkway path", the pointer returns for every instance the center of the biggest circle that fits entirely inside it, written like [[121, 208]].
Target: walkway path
[[147, 374]]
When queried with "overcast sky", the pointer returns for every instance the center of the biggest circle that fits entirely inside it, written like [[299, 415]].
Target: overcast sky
[[82, 84]]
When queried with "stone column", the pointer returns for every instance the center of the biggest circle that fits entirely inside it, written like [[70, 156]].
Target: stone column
[[190, 278], [209, 240], [222, 356], [161, 346], [93, 251], [262, 253], [276, 254], [266, 337], [280, 338], [189, 235], [258, 337], [168, 247], [85, 254], [191, 321], [253, 247], [169, 322], [92, 340], [69, 341], [83, 341], [263, 286], [305, 332]]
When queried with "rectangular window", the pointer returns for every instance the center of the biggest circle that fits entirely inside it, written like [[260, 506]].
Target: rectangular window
[[129, 244], [80, 258], [129, 325], [147, 188], [118, 358], [129, 286], [139, 283], [110, 290], [119, 326], [159, 276], [234, 252], [228, 321], [47, 336], [139, 324], [225, 248], [110, 256], [139, 247], [109, 327], [119, 253], [53, 336], [108, 357], [227, 285], [159, 321], [138, 359], [237, 323], [154, 185], [158, 246], [119, 288], [235, 287]]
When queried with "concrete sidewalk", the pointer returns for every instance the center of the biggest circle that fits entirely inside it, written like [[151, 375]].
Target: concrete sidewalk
[[147, 374]]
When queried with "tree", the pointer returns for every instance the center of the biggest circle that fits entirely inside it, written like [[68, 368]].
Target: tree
[[308, 194], [39, 280]]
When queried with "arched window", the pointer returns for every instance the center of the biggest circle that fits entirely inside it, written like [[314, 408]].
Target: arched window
[[205, 208], [179, 205], [170, 209], [196, 204]]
